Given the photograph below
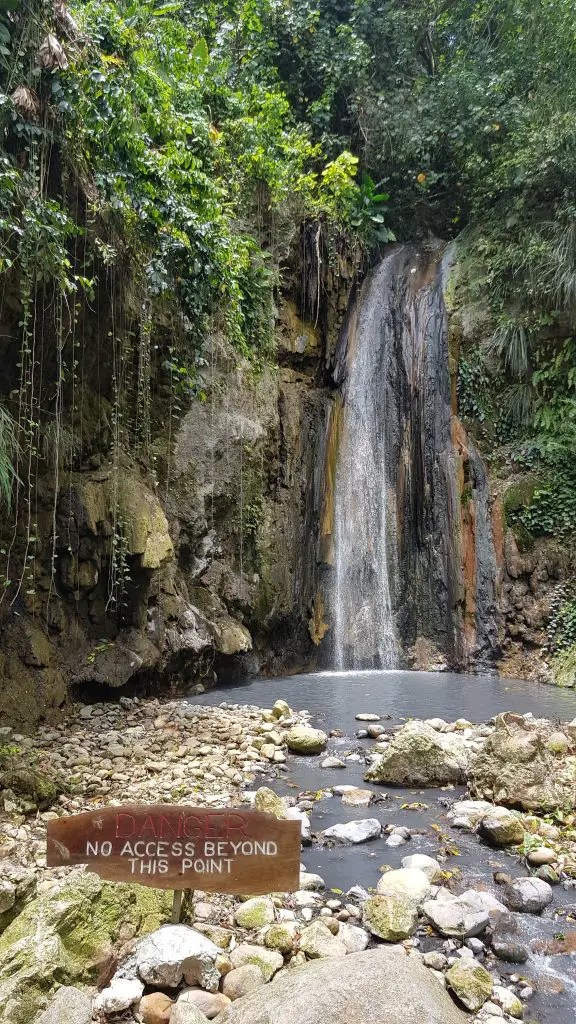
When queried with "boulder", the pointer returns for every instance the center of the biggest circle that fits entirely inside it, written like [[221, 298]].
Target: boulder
[[468, 814], [501, 827], [281, 709], [281, 936], [317, 942], [187, 1013], [63, 936], [354, 831], [517, 769], [458, 917], [356, 797], [269, 802], [408, 883], [268, 961], [255, 913], [542, 855], [384, 984], [428, 865], [420, 756], [528, 895], [392, 918], [69, 1006], [304, 740], [508, 950], [471, 983], [176, 951], [507, 1001], [17, 887], [241, 981], [155, 1008], [354, 938], [209, 1003]]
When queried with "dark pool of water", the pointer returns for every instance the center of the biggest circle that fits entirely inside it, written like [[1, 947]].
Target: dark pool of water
[[334, 698]]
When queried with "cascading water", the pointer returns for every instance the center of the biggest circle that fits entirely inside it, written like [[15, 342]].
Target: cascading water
[[363, 621], [414, 572]]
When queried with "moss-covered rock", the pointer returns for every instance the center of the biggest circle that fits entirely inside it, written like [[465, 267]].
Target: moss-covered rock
[[268, 961], [269, 802], [255, 913], [471, 984], [392, 918], [564, 668], [281, 936], [65, 934], [303, 740], [37, 787]]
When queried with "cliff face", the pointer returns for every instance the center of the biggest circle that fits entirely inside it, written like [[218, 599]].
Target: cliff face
[[174, 545], [209, 552]]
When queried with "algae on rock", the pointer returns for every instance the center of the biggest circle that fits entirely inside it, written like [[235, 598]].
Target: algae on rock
[[65, 934]]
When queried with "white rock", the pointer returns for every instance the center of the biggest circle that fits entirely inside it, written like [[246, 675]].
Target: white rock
[[119, 995], [176, 951], [293, 814], [460, 917], [332, 762], [354, 831], [308, 880], [354, 938], [396, 840], [408, 883], [468, 814], [428, 865]]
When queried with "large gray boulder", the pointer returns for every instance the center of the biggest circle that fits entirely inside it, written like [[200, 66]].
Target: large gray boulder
[[420, 756], [385, 984]]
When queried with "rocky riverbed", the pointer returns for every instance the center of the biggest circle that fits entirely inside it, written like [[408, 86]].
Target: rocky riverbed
[[74, 948]]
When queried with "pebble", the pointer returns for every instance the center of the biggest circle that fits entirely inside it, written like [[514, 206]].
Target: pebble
[[366, 716]]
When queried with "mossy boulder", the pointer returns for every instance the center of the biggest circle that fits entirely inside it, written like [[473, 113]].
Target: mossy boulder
[[471, 984], [420, 756], [268, 961], [304, 740], [33, 785], [255, 913], [281, 936], [392, 918], [66, 934], [269, 802]]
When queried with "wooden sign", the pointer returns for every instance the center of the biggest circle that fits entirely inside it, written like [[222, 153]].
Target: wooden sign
[[173, 847]]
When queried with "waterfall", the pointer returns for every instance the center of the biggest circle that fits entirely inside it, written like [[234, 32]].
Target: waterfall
[[414, 575], [363, 621]]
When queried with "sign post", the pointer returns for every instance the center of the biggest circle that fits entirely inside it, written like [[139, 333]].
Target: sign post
[[174, 847]]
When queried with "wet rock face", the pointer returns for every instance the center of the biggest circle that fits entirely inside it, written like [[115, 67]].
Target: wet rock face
[[435, 498], [517, 767]]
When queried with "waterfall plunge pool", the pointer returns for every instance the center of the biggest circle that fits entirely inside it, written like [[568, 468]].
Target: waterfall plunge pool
[[334, 698]]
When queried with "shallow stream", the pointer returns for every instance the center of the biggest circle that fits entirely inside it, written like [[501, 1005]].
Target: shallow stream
[[334, 698]]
